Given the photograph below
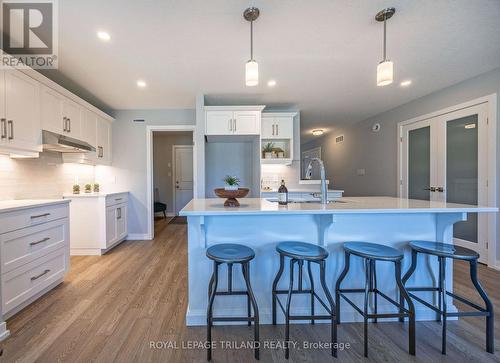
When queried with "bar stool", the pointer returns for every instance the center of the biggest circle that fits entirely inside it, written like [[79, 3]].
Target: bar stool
[[443, 251], [230, 253], [298, 252], [370, 253]]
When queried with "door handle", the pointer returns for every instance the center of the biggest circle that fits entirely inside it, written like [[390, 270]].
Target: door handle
[[432, 189], [440, 189], [4, 128], [11, 129]]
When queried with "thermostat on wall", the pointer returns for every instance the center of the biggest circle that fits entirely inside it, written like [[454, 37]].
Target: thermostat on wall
[[376, 127]]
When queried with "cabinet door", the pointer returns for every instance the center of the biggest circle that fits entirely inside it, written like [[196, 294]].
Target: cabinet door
[[111, 230], [89, 127], [52, 111], [268, 126], [284, 127], [72, 112], [246, 122], [121, 221], [103, 142], [22, 111], [219, 123]]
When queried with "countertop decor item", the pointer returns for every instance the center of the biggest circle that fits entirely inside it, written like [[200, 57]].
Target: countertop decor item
[[268, 150], [88, 188], [231, 182], [76, 189], [231, 195], [96, 187]]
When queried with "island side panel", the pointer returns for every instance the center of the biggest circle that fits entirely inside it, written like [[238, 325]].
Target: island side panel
[[263, 232]]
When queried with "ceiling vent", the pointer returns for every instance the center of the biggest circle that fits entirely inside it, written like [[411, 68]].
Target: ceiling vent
[[339, 139]]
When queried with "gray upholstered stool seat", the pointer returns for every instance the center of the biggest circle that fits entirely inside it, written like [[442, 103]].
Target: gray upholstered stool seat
[[373, 251], [444, 250], [302, 251], [230, 253]]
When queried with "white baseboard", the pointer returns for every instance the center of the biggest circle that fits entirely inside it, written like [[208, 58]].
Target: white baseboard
[[85, 252], [4, 333], [496, 266], [137, 237]]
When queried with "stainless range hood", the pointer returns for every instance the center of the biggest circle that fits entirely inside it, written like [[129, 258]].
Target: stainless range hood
[[64, 144]]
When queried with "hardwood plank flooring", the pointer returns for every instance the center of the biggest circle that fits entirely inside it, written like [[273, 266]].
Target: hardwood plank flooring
[[111, 307]]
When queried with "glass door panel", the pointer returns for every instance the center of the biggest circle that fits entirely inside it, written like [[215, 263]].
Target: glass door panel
[[419, 163]]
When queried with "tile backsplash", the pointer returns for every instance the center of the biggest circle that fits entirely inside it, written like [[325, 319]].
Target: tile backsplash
[[42, 178], [272, 175]]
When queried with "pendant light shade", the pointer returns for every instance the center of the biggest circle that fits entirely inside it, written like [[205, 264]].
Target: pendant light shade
[[252, 67], [385, 69], [252, 73], [385, 73]]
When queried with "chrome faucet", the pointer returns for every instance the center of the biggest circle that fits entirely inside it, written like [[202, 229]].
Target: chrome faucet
[[324, 191]]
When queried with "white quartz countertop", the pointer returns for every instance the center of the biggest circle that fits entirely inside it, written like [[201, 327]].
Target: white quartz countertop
[[90, 195], [261, 206], [12, 205], [303, 190]]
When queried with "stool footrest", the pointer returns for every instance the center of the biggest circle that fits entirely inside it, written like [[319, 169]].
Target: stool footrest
[[229, 293], [231, 318], [309, 317], [374, 316]]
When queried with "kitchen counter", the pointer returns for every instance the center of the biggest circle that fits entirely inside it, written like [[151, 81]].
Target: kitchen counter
[[261, 225], [302, 190], [13, 205], [90, 195]]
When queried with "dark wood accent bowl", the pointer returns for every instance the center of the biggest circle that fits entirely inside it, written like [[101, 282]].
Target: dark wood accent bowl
[[231, 195]]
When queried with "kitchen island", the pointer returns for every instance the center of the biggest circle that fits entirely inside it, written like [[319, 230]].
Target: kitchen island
[[261, 224]]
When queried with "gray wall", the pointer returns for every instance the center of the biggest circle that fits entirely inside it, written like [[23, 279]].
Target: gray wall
[[163, 163], [377, 152], [128, 171]]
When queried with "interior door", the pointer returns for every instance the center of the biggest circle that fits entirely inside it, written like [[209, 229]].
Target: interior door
[[183, 176], [445, 159]]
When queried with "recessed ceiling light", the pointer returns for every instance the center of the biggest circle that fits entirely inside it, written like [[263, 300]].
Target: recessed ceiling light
[[141, 84], [317, 132], [103, 35], [405, 83], [271, 83]]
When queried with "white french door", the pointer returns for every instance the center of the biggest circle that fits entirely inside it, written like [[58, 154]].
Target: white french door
[[445, 158]]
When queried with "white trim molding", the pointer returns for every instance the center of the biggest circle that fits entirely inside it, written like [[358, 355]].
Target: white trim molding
[[149, 171]]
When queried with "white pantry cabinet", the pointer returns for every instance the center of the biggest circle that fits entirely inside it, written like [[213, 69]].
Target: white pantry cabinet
[[232, 120], [98, 222], [20, 112], [34, 244]]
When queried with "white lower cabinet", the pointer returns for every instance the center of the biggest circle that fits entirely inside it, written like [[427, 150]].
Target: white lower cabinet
[[98, 222], [34, 254]]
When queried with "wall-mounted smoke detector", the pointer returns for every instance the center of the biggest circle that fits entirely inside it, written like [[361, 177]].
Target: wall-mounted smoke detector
[[376, 127], [339, 139]]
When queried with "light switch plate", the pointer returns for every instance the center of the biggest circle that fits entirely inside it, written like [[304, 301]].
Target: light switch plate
[[360, 172]]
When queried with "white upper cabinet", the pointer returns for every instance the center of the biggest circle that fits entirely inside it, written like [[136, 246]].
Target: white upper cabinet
[[232, 120], [277, 127], [52, 111], [103, 142], [72, 115], [20, 119], [89, 127]]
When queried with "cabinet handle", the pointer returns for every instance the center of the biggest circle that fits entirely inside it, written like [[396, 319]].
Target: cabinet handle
[[69, 125], [4, 128], [38, 276], [277, 130], [119, 216], [40, 215], [431, 189], [65, 127], [234, 120], [117, 199], [38, 242], [273, 129], [11, 129], [440, 189]]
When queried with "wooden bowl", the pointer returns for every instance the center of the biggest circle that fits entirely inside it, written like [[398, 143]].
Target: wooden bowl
[[231, 195]]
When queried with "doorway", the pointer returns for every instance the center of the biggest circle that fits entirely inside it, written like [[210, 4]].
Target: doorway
[[182, 176], [447, 158]]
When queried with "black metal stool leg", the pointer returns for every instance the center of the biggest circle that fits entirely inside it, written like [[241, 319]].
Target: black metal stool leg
[[373, 268], [311, 283], [333, 326], [249, 303], [365, 308], [490, 341], [442, 280], [275, 286], [246, 275], [347, 263], [411, 308], [287, 312], [441, 290], [215, 278], [406, 277]]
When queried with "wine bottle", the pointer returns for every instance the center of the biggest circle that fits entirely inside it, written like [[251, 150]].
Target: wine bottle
[[282, 194]]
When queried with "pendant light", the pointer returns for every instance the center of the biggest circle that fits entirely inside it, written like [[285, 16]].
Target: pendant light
[[385, 69], [252, 67]]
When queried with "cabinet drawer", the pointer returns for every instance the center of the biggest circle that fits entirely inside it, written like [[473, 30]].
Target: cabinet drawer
[[25, 245], [26, 281], [31, 217], [116, 199]]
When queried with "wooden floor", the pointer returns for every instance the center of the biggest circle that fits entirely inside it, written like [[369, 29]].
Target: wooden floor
[[110, 308]]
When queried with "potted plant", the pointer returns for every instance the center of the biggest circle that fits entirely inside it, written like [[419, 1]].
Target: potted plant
[[231, 182], [88, 188], [76, 189], [96, 187], [268, 150]]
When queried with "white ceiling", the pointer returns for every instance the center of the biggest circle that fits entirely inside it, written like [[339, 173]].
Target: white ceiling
[[323, 53]]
